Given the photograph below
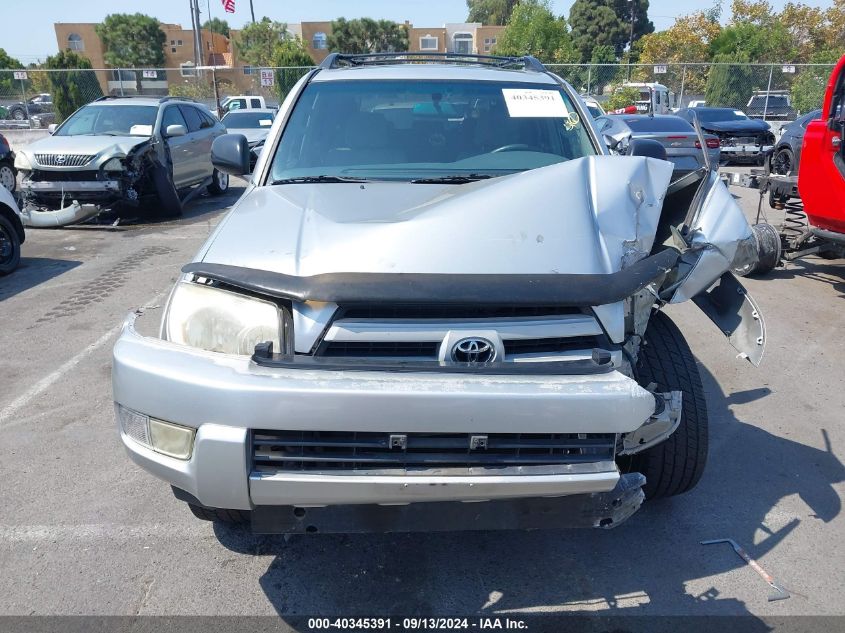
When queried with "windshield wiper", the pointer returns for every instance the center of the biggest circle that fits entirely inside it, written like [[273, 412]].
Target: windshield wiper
[[452, 180], [310, 179]]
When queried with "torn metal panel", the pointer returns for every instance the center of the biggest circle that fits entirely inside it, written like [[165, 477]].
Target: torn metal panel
[[736, 314], [658, 427]]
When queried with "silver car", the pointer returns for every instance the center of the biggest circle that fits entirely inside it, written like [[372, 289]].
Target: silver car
[[683, 147], [254, 124], [117, 152], [438, 288]]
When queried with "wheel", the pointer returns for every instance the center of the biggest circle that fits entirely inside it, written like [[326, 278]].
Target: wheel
[[219, 514], [7, 176], [219, 183], [783, 162], [169, 204], [18, 114], [769, 250], [10, 247], [672, 467]]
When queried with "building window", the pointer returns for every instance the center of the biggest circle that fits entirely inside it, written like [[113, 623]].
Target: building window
[[429, 43], [173, 42], [187, 69], [249, 70], [319, 41], [462, 43], [489, 43], [178, 42], [172, 49], [74, 42]]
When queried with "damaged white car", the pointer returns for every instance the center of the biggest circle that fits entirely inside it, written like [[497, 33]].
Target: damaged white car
[[120, 153], [439, 288]]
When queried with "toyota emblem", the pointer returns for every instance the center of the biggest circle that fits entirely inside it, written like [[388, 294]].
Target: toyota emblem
[[474, 351], [60, 159]]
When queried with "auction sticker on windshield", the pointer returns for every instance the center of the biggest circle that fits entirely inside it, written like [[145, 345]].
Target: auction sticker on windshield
[[527, 102]]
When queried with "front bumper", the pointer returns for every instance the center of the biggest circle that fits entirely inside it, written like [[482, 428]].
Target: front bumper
[[71, 187], [744, 152], [224, 397]]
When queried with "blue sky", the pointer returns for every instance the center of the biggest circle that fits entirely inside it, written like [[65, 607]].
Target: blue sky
[[36, 39]]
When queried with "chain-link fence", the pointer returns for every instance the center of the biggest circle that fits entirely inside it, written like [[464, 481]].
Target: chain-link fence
[[35, 98]]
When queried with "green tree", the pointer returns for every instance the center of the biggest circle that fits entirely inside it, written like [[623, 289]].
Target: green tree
[[9, 86], [257, 42], [74, 88], [731, 81], [365, 35], [642, 25], [622, 98], [534, 30], [595, 23], [601, 75], [495, 12], [132, 41], [216, 25], [290, 56]]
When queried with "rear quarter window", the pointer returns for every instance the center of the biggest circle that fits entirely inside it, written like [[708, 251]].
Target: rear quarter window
[[192, 116]]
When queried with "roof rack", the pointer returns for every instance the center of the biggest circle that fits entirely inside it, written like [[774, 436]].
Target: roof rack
[[160, 99], [336, 60]]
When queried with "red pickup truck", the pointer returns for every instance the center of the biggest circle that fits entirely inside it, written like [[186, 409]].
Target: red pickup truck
[[821, 173]]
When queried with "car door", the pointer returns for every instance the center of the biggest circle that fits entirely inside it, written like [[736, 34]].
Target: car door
[[201, 131], [179, 146], [821, 172]]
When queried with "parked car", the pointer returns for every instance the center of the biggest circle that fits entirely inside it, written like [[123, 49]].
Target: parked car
[[741, 139], [36, 105], [437, 290], [253, 124], [675, 134], [43, 120], [821, 171], [243, 102], [788, 149], [593, 106], [8, 173], [12, 233], [120, 151], [774, 106]]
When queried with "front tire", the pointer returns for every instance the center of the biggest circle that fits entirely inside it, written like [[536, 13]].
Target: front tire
[[783, 162], [10, 247], [674, 466], [219, 183]]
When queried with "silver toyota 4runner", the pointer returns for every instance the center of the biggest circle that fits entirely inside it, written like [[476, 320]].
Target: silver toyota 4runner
[[438, 288]]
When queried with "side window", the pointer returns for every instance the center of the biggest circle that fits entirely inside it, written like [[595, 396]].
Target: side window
[[192, 116], [256, 103], [208, 120], [172, 116]]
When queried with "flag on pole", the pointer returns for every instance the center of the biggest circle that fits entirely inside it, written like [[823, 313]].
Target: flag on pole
[[228, 6]]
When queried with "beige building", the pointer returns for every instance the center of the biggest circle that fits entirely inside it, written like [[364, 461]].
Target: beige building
[[467, 38]]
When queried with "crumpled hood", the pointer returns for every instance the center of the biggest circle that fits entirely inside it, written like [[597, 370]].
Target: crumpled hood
[[749, 126], [588, 215], [93, 145]]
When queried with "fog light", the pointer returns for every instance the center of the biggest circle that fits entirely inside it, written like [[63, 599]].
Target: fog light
[[171, 439], [163, 437]]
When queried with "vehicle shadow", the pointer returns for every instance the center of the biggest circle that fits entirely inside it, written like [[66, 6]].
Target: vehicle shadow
[[827, 271], [33, 271], [651, 565]]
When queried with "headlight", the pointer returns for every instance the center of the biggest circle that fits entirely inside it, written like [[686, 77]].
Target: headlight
[[163, 437], [22, 162], [115, 164], [221, 321]]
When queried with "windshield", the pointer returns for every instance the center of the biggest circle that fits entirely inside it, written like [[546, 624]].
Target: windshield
[[709, 116], [247, 119], [111, 120], [760, 100], [409, 130]]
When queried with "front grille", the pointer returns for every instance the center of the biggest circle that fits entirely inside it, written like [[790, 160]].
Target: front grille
[[415, 311], [64, 160], [341, 349], [550, 345], [406, 453], [40, 175]]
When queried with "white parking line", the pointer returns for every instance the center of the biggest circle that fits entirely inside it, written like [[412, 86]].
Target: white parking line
[[45, 383], [97, 531]]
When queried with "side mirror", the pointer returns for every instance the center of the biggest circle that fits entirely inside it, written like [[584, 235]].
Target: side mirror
[[646, 147], [613, 144], [52, 128], [230, 154], [175, 130]]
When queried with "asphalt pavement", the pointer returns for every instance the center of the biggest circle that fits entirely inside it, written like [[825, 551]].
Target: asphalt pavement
[[85, 531]]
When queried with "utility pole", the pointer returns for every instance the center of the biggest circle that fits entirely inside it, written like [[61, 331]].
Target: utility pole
[[252, 11]]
